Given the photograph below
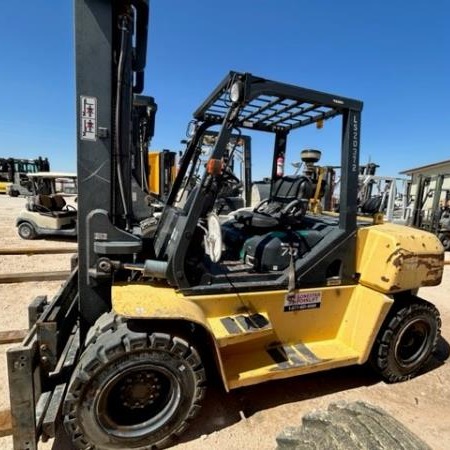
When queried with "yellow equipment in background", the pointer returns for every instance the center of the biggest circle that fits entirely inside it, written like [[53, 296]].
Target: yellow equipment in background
[[13, 174], [162, 172]]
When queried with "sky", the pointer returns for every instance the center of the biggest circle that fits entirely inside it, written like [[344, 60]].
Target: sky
[[393, 55]]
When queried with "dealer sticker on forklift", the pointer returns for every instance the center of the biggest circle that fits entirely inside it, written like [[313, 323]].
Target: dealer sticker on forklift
[[302, 300]]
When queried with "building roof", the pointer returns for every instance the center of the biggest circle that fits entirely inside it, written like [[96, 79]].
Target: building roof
[[428, 167], [51, 175]]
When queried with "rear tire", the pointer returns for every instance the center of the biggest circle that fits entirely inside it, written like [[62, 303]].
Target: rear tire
[[406, 340], [132, 390], [26, 231]]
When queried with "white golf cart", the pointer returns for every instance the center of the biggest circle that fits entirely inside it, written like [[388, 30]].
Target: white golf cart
[[50, 210]]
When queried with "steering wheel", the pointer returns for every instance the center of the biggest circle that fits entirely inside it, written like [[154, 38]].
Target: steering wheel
[[229, 176], [294, 208], [262, 203]]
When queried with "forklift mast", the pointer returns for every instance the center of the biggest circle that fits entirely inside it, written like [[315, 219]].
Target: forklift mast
[[244, 172], [109, 77], [435, 208], [421, 218]]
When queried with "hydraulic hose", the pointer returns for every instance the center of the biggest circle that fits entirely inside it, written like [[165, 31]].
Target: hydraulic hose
[[124, 30]]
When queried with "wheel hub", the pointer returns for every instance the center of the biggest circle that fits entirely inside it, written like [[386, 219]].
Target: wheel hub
[[140, 390], [412, 343], [137, 400]]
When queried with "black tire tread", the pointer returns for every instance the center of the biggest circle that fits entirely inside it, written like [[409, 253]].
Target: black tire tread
[[107, 322], [110, 338], [355, 425], [400, 312]]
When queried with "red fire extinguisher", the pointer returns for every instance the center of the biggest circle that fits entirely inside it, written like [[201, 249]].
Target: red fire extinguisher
[[280, 165]]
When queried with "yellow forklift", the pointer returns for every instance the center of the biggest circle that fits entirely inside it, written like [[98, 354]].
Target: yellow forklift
[[117, 359], [14, 179]]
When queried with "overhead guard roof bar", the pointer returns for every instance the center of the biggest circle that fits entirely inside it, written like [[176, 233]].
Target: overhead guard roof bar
[[271, 106]]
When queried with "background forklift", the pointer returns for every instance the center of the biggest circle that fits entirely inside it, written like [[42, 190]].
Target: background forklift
[[13, 174], [238, 192], [119, 355], [435, 219]]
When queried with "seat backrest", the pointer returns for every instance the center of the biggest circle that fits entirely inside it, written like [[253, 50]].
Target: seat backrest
[[58, 202], [289, 188], [44, 200], [286, 190]]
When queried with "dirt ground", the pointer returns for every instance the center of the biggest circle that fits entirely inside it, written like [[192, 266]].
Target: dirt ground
[[251, 418]]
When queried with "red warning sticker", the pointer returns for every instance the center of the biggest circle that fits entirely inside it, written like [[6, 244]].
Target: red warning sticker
[[88, 113]]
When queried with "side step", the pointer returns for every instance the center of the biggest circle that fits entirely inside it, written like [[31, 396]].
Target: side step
[[277, 360], [239, 328]]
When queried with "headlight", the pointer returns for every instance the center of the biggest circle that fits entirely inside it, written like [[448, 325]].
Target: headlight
[[236, 91]]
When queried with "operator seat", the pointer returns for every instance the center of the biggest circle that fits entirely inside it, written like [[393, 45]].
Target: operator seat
[[54, 206], [286, 206], [60, 208], [40, 203]]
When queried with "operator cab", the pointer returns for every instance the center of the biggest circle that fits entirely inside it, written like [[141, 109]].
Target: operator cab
[[286, 236]]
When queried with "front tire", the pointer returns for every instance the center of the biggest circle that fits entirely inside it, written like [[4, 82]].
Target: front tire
[[131, 390], [26, 231], [406, 340]]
